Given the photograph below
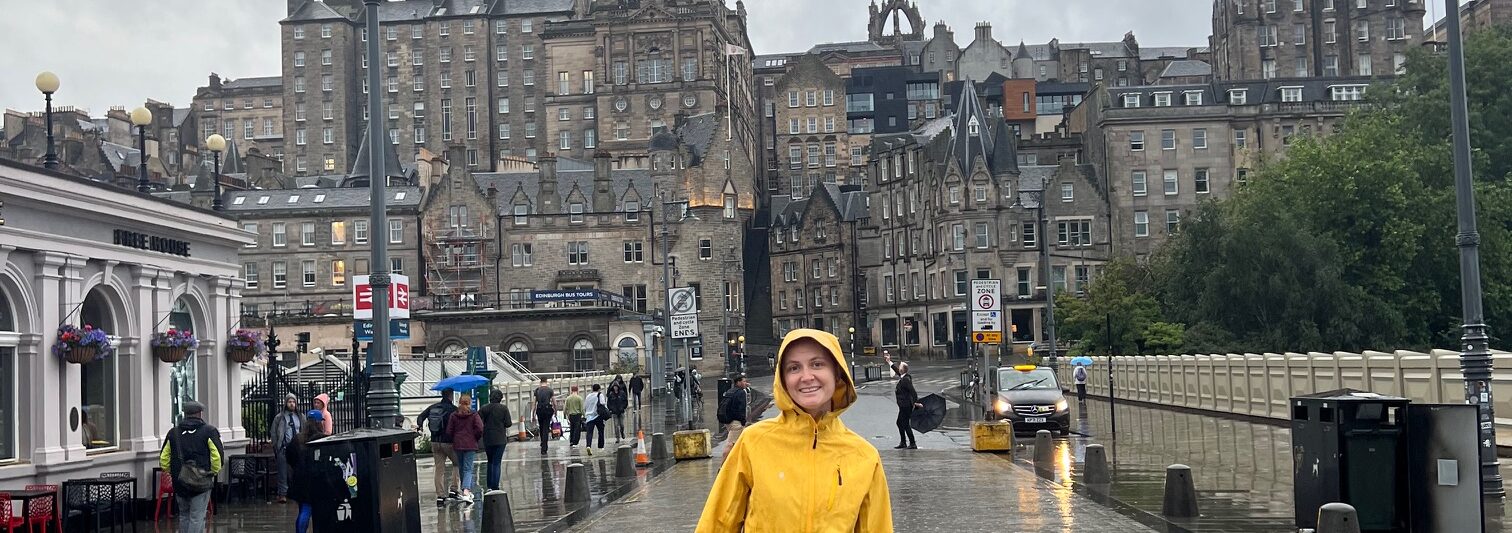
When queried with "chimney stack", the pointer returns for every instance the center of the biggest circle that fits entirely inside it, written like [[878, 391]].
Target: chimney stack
[[983, 32], [549, 200], [603, 186]]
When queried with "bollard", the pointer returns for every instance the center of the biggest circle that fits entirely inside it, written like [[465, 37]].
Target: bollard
[[1095, 470], [660, 450], [1180, 493], [497, 518], [577, 483], [1337, 518], [1044, 451], [624, 461]]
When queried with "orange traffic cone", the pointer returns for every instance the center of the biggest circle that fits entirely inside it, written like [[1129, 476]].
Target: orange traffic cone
[[642, 457], [524, 435]]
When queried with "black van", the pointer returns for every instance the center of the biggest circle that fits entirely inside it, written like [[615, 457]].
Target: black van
[[1031, 398]]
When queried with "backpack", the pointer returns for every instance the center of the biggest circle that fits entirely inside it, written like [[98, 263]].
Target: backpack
[[1081, 373], [602, 409], [724, 410], [191, 475], [435, 419]]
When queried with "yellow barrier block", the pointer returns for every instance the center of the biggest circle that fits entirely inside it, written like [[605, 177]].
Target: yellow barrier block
[[692, 444], [992, 436]]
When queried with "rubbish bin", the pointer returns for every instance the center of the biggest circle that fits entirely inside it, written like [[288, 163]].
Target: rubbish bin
[[724, 386], [1350, 446], [381, 463]]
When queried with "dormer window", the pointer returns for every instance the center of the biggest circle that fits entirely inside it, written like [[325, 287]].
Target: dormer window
[[1163, 99], [1131, 100], [1238, 96], [575, 210]]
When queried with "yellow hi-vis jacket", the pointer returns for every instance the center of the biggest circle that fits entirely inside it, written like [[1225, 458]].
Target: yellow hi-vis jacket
[[794, 474]]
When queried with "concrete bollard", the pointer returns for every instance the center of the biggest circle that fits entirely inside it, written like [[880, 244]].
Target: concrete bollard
[[661, 449], [1044, 451], [1337, 518], [1095, 469], [1180, 493], [577, 483], [497, 517], [624, 461]]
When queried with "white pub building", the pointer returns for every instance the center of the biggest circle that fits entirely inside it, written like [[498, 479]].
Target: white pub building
[[78, 252]]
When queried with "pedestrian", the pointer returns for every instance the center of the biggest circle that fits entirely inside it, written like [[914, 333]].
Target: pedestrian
[[596, 409], [465, 431], [734, 410], [283, 430], [574, 411], [1081, 382], [309, 484], [191, 456], [545, 411], [804, 466], [496, 423], [636, 386], [434, 419], [619, 401], [320, 403], [908, 400]]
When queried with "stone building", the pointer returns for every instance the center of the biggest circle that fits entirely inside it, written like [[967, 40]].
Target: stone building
[[458, 223], [984, 57], [249, 110], [816, 246], [1475, 15], [812, 145], [1165, 149], [1269, 39]]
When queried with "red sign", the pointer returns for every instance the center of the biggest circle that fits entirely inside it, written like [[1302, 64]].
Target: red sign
[[398, 297]]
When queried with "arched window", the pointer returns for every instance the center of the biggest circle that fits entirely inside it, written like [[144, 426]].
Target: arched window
[[629, 354], [99, 404], [9, 338], [582, 355], [183, 375], [520, 352]]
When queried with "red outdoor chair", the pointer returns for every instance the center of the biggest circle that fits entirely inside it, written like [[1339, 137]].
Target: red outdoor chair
[[39, 512], [11, 523]]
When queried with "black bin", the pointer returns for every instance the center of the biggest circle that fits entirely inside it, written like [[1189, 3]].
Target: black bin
[[724, 386], [1350, 446], [383, 461]]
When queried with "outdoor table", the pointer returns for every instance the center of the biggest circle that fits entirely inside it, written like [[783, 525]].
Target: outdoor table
[[26, 497], [254, 468], [110, 486]]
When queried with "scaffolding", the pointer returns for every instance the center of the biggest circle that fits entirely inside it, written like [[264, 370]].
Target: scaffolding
[[457, 264]]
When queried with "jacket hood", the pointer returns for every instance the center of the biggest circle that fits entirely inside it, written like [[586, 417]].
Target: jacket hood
[[325, 401], [191, 422], [845, 389]]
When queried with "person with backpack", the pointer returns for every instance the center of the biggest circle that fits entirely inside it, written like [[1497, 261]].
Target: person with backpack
[[543, 403], [434, 419], [465, 431], [637, 385], [734, 408], [191, 456], [496, 423], [596, 409], [307, 480], [619, 401], [1080, 374]]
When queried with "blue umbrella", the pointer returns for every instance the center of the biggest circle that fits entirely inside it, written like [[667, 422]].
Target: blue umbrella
[[1081, 360], [461, 383]]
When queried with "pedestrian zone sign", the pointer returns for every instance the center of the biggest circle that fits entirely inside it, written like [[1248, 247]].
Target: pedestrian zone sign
[[684, 326]]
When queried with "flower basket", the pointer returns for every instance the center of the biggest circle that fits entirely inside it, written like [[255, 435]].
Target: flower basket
[[81, 346], [173, 346], [242, 355], [244, 345]]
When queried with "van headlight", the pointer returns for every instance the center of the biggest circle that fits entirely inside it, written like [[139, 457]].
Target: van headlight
[[1002, 406], [1062, 405]]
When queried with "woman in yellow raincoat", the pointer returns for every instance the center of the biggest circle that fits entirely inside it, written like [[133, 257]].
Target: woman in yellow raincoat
[[803, 471]]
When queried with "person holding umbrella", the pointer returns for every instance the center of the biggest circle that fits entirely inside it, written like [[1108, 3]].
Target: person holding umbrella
[[908, 400], [1079, 373]]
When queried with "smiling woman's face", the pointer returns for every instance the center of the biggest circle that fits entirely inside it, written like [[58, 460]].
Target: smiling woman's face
[[808, 374]]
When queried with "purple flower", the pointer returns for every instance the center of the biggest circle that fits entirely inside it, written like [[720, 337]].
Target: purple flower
[[71, 338], [174, 338]]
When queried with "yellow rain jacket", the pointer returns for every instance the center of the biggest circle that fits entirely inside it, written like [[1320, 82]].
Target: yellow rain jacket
[[796, 474]]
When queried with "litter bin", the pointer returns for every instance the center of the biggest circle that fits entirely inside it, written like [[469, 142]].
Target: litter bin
[[381, 464], [1350, 446], [724, 386]]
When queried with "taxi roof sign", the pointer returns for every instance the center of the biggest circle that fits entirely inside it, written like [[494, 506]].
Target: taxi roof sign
[[1024, 368]]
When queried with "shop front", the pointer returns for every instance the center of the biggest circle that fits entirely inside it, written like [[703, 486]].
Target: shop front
[[91, 258]]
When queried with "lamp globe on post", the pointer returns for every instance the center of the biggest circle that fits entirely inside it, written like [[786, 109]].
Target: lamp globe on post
[[48, 83], [216, 144], [141, 117]]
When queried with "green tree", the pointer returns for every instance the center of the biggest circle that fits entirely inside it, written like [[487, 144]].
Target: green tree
[[1114, 302]]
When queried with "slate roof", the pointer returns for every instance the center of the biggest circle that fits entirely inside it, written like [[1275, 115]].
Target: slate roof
[[529, 7], [1158, 52], [769, 61], [510, 184], [1256, 92], [334, 198], [1186, 68], [254, 83], [313, 11], [120, 156], [1033, 178], [457, 8], [852, 47], [180, 114], [322, 181]]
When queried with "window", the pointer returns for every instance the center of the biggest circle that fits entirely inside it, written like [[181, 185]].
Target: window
[[325, 31], [1330, 32], [1141, 224], [588, 87], [621, 73], [1131, 100], [1268, 68], [1192, 97], [306, 232], [248, 129], [1363, 65], [635, 252], [1200, 181], [582, 355], [338, 232], [705, 249], [1299, 33], [1074, 233], [1344, 93], [1396, 29], [396, 266], [521, 254], [1167, 139], [1399, 62], [1270, 5], [1199, 138], [1267, 35], [1330, 66], [1173, 217], [816, 269], [1362, 30], [590, 138], [1171, 182], [729, 206], [1291, 94], [1298, 6], [1029, 235], [1136, 141], [564, 140], [325, 57], [1241, 140], [299, 84], [577, 253], [689, 69], [467, 27], [982, 235], [1287, 132], [298, 33], [960, 283], [280, 275], [307, 267], [527, 52], [338, 272], [528, 78], [575, 212], [526, 26], [1141, 186], [1162, 99], [327, 136], [396, 231]]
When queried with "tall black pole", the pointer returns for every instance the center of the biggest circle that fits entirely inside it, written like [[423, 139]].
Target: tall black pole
[[1475, 359], [1112, 401], [216, 203], [142, 184], [50, 161], [383, 405]]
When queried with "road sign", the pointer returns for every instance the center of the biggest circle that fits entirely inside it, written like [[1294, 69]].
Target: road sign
[[684, 326], [398, 329], [988, 337], [398, 297], [985, 295], [983, 321], [682, 301]]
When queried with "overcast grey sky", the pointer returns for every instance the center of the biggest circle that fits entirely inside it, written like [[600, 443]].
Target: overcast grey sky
[[114, 52]]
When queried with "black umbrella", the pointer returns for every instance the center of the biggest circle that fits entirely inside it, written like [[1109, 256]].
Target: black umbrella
[[929, 417]]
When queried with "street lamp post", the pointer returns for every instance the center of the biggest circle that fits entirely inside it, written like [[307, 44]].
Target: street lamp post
[[141, 117], [48, 83], [673, 358], [383, 394], [852, 331], [1043, 234], [216, 144], [1475, 357]]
